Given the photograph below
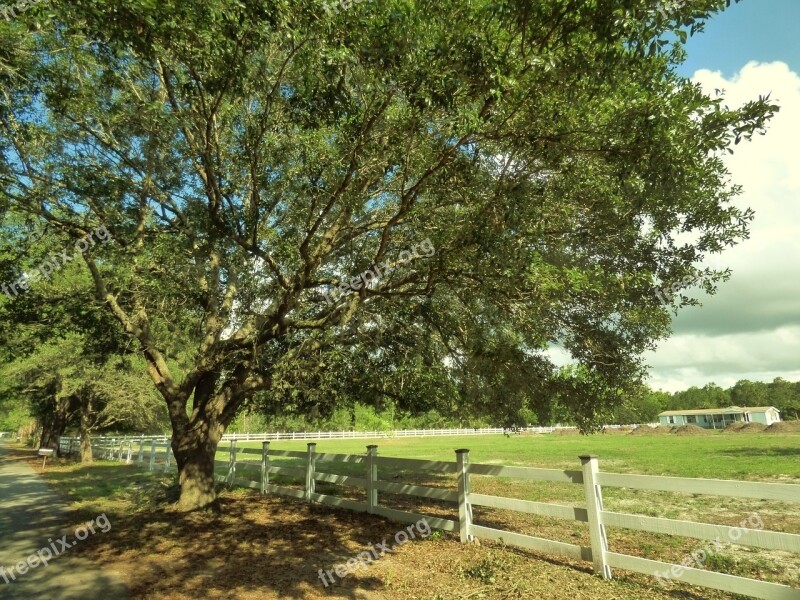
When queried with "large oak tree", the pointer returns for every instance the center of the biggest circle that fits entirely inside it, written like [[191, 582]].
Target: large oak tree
[[252, 158]]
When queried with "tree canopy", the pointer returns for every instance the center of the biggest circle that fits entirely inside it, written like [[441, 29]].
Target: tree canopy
[[251, 160]]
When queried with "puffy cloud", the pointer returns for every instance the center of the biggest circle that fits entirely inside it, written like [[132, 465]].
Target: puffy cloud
[[751, 328]]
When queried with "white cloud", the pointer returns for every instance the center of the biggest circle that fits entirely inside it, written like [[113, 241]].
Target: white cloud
[[751, 328]]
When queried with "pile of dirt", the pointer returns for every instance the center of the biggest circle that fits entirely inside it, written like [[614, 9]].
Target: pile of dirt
[[740, 427], [735, 426], [688, 430], [647, 430], [784, 427], [756, 427]]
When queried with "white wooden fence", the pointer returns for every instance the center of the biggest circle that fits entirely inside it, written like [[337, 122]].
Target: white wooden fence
[[158, 456], [347, 435]]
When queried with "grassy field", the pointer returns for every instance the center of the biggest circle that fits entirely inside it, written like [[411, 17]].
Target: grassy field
[[715, 455], [273, 547]]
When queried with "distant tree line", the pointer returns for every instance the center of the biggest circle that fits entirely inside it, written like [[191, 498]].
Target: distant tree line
[[645, 406], [35, 420], [640, 407]]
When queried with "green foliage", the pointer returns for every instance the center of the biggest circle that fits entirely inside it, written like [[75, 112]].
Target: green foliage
[[250, 160], [642, 406], [63, 370], [357, 417], [13, 413]]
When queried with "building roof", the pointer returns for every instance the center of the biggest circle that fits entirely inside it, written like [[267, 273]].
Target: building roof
[[731, 410]]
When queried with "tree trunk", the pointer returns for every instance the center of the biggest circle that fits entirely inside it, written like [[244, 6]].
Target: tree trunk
[[54, 425], [195, 439], [194, 452], [86, 435]]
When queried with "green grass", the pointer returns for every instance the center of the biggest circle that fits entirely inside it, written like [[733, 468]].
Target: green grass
[[716, 455], [746, 456]]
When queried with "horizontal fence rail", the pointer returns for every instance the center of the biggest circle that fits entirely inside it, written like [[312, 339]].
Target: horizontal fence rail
[[156, 455], [350, 435]]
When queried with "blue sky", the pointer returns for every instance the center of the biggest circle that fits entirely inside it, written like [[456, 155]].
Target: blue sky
[[751, 328], [760, 30]]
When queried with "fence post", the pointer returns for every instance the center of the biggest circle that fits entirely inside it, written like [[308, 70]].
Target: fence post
[[264, 466], [140, 457], [152, 455], [464, 505], [310, 468], [372, 477], [130, 453], [594, 507], [232, 463], [166, 457]]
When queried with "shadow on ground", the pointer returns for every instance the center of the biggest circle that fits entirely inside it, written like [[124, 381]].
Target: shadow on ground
[[748, 452], [255, 547]]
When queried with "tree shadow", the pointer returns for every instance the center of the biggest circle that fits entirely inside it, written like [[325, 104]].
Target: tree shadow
[[750, 452], [255, 545]]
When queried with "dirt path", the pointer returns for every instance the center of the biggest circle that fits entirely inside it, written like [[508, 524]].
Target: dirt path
[[33, 519]]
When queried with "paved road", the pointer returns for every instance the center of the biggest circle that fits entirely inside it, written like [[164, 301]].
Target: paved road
[[31, 515]]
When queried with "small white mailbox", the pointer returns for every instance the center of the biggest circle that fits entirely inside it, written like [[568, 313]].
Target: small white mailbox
[[45, 452]]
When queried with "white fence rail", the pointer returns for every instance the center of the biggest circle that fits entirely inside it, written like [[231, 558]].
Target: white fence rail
[[351, 435], [157, 455]]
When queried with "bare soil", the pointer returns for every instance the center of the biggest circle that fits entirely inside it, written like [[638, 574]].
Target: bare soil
[[784, 427], [647, 430], [689, 430]]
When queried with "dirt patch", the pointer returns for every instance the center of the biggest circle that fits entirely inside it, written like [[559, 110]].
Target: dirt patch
[[647, 430], [784, 427], [689, 430], [745, 427], [755, 427]]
